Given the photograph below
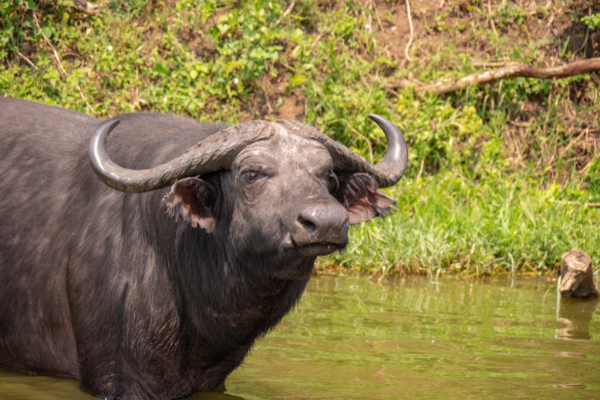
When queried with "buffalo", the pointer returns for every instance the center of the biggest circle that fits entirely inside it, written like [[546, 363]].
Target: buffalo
[[146, 265]]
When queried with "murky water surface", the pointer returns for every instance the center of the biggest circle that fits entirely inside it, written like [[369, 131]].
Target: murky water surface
[[407, 339]]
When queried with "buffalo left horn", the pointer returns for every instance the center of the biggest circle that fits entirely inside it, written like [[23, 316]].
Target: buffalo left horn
[[214, 153]]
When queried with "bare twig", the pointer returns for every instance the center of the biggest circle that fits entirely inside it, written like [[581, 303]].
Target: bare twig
[[378, 19], [70, 53], [572, 142], [543, 9], [421, 169], [492, 19], [513, 70], [391, 91], [521, 124], [558, 12], [286, 12], [576, 203], [363, 138], [491, 63], [60, 64], [587, 34], [49, 44], [317, 39], [27, 60], [411, 30], [86, 7], [288, 67], [364, 80], [384, 274], [377, 270], [449, 121]]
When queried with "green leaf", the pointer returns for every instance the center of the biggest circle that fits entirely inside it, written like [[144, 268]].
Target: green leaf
[[47, 31], [161, 69], [298, 79], [31, 5]]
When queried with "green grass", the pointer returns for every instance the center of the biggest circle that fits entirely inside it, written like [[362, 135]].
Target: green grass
[[450, 223], [491, 168]]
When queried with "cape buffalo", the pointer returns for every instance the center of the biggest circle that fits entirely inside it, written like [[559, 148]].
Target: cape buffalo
[[159, 288]]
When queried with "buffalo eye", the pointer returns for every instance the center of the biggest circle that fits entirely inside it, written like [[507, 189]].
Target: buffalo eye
[[251, 175], [333, 181]]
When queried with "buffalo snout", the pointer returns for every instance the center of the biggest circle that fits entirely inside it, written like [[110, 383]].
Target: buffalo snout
[[321, 228]]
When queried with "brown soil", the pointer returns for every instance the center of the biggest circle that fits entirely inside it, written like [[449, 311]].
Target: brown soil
[[456, 24], [272, 100], [575, 135]]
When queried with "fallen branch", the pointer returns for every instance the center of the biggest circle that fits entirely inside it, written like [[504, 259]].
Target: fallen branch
[[512, 70]]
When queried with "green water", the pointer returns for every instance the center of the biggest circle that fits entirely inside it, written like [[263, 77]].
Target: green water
[[407, 339]]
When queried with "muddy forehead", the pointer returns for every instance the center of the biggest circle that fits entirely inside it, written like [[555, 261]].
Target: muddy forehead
[[286, 146]]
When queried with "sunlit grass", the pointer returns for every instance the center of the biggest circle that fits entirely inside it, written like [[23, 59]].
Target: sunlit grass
[[448, 222]]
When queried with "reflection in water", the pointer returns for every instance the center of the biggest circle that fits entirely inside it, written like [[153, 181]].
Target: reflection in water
[[216, 394], [570, 386], [350, 338], [575, 316], [20, 386]]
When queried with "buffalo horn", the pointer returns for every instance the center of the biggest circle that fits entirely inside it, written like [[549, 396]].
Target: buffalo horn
[[393, 165], [387, 173], [212, 154]]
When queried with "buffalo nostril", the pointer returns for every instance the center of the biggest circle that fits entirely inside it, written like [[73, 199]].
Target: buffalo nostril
[[307, 225]]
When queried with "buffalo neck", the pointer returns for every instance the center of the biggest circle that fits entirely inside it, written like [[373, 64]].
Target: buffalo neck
[[228, 302]]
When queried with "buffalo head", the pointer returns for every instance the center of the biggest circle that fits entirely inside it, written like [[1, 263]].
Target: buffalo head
[[276, 191]]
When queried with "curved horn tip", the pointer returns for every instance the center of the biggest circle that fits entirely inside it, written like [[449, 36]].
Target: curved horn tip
[[113, 125], [103, 132], [393, 165], [378, 119]]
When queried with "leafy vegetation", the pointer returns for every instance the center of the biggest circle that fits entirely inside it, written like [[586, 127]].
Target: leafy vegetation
[[448, 223], [592, 21], [495, 171]]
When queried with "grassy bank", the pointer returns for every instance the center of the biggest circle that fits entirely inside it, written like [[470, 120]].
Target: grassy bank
[[448, 223], [499, 175]]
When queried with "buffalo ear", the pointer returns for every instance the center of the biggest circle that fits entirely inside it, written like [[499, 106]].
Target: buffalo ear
[[192, 200], [358, 193]]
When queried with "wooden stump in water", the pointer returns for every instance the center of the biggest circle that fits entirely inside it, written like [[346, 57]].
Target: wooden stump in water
[[577, 276]]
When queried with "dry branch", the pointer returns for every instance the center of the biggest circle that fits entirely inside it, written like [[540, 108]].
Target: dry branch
[[512, 70]]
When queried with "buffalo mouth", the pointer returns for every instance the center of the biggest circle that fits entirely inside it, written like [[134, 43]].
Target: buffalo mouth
[[318, 248]]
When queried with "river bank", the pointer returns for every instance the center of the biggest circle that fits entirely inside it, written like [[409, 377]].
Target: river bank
[[503, 177]]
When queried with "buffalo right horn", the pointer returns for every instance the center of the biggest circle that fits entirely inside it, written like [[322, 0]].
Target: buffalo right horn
[[387, 173], [212, 154]]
